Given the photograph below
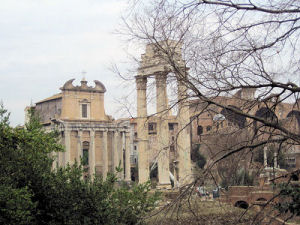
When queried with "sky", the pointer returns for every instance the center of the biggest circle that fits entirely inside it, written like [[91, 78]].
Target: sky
[[44, 43]]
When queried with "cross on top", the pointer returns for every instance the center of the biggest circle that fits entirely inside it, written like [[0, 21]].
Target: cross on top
[[83, 73]]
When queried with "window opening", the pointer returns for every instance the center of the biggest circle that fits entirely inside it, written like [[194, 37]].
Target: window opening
[[85, 153], [84, 110], [171, 126]]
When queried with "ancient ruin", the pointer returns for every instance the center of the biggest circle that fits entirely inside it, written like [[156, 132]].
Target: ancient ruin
[[161, 140], [154, 65]]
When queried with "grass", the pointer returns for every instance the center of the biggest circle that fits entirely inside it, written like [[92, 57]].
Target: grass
[[200, 212]]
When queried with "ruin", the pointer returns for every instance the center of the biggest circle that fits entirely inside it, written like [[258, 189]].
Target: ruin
[[154, 64]]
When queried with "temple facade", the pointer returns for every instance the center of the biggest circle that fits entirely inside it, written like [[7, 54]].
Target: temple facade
[[88, 134]]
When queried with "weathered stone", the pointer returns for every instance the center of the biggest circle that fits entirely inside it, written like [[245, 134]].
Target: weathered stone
[[156, 63]]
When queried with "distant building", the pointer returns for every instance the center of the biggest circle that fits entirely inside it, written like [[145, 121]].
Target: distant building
[[212, 120]]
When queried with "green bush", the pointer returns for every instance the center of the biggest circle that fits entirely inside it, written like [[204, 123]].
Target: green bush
[[32, 193]]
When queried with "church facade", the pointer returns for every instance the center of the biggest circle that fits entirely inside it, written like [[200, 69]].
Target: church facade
[[88, 134]]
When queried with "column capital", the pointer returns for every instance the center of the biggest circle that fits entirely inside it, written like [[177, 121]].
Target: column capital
[[127, 134], [141, 82], [161, 74], [161, 78]]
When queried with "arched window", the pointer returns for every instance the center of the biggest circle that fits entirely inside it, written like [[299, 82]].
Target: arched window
[[208, 128], [261, 200], [199, 130], [234, 118], [295, 114], [241, 204], [85, 153], [264, 113], [294, 177]]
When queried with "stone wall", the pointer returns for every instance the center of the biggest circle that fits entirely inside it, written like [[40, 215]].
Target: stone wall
[[49, 110]]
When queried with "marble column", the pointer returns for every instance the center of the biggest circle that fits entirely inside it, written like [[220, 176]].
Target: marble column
[[116, 150], [92, 154], [162, 132], [67, 147], [127, 157], [121, 143], [183, 138], [105, 156], [79, 146], [142, 129]]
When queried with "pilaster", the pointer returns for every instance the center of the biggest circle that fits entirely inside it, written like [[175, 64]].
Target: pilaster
[[115, 150], [92, 154], [67, 146]]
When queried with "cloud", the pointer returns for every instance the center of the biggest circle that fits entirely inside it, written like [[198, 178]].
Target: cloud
[[44, 43]]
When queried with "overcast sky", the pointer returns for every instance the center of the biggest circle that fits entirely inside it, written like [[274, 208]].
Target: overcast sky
[[44, 43]]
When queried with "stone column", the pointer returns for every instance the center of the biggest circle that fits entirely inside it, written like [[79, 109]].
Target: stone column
[[127, 157], [116, 150], [54, 155], [275, 159], [183, 138], [162, 132], [79, 146], [92, 154], [121, 143], [105, 156], [142, 129], [265, 157], [67, 147], [60, 155]]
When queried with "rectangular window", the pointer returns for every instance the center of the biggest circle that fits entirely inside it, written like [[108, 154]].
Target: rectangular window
[[84, 110], [172, 148], [150, 127], [85, 157], [171, 126]]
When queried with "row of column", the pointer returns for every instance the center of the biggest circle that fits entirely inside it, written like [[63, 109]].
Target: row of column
[[266, 158], [183, 137], [120, 145]]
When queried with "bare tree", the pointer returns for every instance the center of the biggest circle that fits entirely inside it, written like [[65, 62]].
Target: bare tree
[[231, 46]]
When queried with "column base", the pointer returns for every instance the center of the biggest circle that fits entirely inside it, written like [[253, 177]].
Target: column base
[[185, 180], [163, 186]]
